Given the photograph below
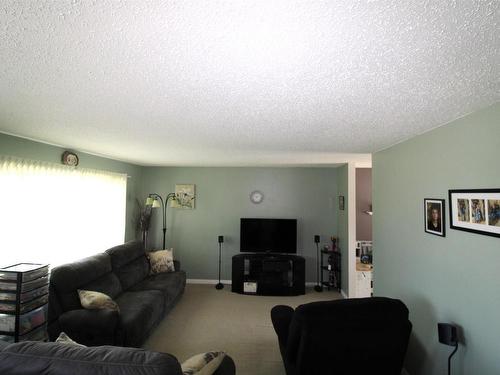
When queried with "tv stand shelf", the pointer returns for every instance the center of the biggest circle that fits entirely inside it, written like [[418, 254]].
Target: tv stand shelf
[[274, 274]]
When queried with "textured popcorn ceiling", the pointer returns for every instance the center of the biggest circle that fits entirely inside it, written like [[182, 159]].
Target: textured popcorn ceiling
[[242, 82]]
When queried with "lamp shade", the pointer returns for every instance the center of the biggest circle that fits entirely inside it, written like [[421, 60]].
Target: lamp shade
[[149, 201], [156, 203]]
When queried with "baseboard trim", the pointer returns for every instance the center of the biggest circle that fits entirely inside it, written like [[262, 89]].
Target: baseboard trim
[[228, 282], [211, 281], [344, 294], [207, 281]]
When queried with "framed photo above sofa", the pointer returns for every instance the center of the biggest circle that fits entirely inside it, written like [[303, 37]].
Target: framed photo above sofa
[[434, 216], [475, 210]]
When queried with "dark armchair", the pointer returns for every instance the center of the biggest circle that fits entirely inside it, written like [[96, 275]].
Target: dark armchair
[[351, 336]]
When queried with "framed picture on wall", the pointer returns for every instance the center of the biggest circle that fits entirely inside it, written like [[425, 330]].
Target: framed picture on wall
[[475, 210], [184, 196], [434, 222]]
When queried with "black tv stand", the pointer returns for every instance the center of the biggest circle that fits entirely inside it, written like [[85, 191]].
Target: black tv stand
[[272, 274]]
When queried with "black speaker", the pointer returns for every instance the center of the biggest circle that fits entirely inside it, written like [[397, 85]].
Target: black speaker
[[447, 334], [318, 287], [220, 239]]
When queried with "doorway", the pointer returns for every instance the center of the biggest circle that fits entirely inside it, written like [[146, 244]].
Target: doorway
[[364, 248]]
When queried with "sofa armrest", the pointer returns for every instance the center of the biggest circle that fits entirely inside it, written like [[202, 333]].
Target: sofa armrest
[[91, 327], [35, 358], [281, 316], [177, 265], [227, 367]]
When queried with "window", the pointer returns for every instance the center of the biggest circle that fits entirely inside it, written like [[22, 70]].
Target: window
[[55, 214]]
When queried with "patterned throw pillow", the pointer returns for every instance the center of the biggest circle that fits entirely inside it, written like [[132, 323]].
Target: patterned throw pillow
[[203, 364], [161, 261], [95, 300], [65, 339]]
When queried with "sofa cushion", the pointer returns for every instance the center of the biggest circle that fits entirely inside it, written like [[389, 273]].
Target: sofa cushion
[[123, 254], [66, 279], [161, 261], [203, 363], [92, 300], [34, 358], [107, 284], [91, 327], [133, 272], [3, 345], [129, 263], [140, 311], [171, 284], [63, 338]]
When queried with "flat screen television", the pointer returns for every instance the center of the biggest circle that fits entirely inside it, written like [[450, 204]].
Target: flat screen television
[[268, 235]]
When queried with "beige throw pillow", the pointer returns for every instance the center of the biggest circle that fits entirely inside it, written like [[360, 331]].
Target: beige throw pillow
[[65, 339], [161, 261], [203, 364], [96, 300]]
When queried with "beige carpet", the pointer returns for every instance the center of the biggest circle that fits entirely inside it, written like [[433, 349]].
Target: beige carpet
[[209, 319]]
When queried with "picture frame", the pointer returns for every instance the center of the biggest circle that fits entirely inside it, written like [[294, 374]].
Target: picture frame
[[434, 217], [341, 202], [475, 210], [185, 196]]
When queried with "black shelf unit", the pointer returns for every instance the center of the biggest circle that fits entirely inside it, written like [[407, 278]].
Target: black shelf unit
[[273, 274], [331, 268], [24, 297]]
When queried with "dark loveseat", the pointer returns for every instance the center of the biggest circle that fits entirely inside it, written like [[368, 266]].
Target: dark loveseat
[[121, 272], [35, 358], [343, 337]]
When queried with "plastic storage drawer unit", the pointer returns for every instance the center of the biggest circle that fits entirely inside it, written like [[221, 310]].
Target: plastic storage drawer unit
[[24, 295]]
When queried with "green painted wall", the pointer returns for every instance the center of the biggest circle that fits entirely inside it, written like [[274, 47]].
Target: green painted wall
[[15, 146], [308, 194], [222, 198], [453, 279], [343, 224]]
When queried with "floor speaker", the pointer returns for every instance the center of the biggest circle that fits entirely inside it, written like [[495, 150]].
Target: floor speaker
[[318, 287], [220, 239]]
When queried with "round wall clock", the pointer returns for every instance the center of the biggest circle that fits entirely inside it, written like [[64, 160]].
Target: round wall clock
[[70, 158], [256, 196]]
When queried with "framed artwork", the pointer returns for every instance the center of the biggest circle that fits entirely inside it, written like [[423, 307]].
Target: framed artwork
[[341, 202], [184, 196], [475, 210], [434, 222]]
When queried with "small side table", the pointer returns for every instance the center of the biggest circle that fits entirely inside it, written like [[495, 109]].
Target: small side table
[[332, 268]]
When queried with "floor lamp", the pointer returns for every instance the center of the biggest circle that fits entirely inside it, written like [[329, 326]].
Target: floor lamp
[[219, 285], [156, 201]]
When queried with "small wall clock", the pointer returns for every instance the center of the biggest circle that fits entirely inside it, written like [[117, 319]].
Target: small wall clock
[[256, 196], [70, 158]]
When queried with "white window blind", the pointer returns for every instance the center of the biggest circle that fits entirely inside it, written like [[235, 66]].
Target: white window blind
[[55, 214]]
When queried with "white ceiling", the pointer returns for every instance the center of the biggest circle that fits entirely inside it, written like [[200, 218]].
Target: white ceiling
[[242, 82]]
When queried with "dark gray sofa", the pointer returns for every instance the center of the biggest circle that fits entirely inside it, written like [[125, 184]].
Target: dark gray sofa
[[121, 272], [35, 358]]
